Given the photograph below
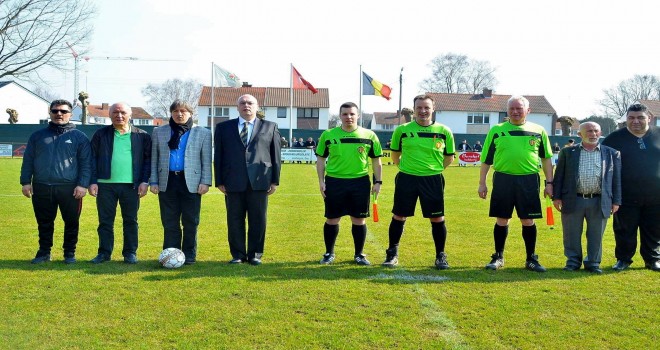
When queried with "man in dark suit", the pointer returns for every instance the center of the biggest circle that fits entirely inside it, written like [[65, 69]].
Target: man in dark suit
[[180, 175], [247, 171], [587, 185]]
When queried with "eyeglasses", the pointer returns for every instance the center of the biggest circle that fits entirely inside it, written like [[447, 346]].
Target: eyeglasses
[[56, 111], [640, 141]]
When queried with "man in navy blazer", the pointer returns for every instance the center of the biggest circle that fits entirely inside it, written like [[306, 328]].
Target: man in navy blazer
[[247, 170], [587, 185]]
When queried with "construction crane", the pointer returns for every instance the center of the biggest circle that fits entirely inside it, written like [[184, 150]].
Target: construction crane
[[76, 59]]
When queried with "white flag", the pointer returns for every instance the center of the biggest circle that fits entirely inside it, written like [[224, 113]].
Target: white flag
[[225, 78]]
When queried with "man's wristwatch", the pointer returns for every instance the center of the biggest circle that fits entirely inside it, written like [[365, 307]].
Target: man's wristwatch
[[378, 182], [547, 182]]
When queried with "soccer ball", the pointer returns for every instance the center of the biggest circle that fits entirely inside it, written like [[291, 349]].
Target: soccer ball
[[172, 258]]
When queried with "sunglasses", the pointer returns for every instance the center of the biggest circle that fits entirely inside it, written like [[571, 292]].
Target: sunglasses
[[56, 111], [640, 141]]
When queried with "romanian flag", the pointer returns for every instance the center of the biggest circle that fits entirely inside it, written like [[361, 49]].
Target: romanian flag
[[374, 87], [300, 83]]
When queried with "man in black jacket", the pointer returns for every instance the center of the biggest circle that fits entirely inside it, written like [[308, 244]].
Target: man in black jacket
[[56, 173], [121, 166]]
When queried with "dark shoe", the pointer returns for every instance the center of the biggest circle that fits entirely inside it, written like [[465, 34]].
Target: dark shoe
[[100, 259], [533, 264], [496, 262], [441, 262], [654, 266], [361, 260], [255, 261], [621, 265], [391, 258], [594, 269], [130, 259], [190, 262], [71, 259], [41, 259], [571, 268], [236, 261], [328, 258]]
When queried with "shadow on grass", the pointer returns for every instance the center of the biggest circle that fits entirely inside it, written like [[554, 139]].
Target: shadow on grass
[[309, 270]]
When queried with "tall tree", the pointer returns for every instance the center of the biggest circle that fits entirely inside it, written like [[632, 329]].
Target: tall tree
[[34, 33], [162, 95], [639, 87], [456, 73]]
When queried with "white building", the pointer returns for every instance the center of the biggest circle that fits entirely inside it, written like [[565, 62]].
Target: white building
[[310, 111], [100, 115], [31, 108]]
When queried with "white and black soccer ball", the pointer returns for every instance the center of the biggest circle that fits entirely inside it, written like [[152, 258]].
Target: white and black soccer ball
[[172, 258]]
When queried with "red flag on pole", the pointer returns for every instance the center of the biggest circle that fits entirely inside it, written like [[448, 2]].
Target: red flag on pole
[[300, 83]]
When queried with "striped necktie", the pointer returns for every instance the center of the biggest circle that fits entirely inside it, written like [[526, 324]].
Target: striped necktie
[[244, 134]]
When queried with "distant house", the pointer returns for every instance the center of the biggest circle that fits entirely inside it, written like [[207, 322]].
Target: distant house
[[31, 108], [100, 115], [654, 108], [310, 111], [476, 113], [387, 121]]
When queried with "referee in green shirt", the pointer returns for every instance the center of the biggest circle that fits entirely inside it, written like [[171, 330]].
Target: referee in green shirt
[[344, 179], [513, 149], [422, 149]]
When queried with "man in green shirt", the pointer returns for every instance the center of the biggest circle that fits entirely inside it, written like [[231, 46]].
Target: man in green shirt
[[513, 149], [422, 149], [121, 166], [344, 180]]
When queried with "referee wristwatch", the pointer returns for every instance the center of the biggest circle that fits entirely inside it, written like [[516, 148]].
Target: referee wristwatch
[[378, 182], [547, 182]]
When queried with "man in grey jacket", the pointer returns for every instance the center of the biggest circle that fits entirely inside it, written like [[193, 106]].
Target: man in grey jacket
[[55, 173], [587, 186]]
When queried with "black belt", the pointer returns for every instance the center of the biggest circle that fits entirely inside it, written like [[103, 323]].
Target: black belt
[[588, 195], [177, 173]]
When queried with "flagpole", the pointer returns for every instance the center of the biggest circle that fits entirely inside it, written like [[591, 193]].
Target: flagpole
[[398, 115], [291, 105], [360, 99], [212, 98]]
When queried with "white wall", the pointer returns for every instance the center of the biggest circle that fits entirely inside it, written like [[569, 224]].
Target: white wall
[[31, 109], [271, 115]]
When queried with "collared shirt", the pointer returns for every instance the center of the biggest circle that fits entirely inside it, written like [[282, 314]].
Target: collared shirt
[[242, 121], [589, 175], [177, 156]]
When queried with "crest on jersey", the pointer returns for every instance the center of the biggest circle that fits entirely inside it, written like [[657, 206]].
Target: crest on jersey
[[360, 149]]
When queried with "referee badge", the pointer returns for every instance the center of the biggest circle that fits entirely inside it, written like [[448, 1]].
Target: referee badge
[[360, 149], [533, 141], [438, 145]]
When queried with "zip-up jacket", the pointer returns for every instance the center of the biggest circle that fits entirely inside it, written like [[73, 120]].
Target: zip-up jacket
[[57, 155], [102, 144]]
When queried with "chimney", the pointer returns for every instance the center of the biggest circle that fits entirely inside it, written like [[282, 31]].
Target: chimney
[[246, 84], [488, 93], [104, 106]]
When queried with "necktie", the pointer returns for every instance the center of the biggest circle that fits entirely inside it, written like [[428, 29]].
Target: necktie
[[244, 134]]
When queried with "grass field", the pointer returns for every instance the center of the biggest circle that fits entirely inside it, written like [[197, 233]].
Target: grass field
[[292, 302]]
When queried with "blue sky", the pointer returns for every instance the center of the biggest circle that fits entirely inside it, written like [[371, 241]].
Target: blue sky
[[568, 51]]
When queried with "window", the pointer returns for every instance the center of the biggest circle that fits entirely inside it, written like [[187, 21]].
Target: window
[[141, 122], [308, 112], [220, 111], [478, 118], [281, 112], [388, 127]]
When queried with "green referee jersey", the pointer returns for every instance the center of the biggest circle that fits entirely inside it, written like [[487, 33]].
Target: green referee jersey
[[423, 148], [348, 153], [516, 149]]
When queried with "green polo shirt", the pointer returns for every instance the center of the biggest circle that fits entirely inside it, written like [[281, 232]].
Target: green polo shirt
[[121, 168], [348, 153], [423, 148]]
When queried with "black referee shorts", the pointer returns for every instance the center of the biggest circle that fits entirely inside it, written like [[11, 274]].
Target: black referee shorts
[[347, 197], [515, 191], [429, 189]]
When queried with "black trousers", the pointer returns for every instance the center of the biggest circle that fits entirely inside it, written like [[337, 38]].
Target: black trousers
[[626, 222], [179, 207], [254, 204], [106, 204], [45, 201]]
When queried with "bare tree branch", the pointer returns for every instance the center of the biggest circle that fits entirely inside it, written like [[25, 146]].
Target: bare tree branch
[[162, 95], [640, 87], [455, 73], [34, 33]]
